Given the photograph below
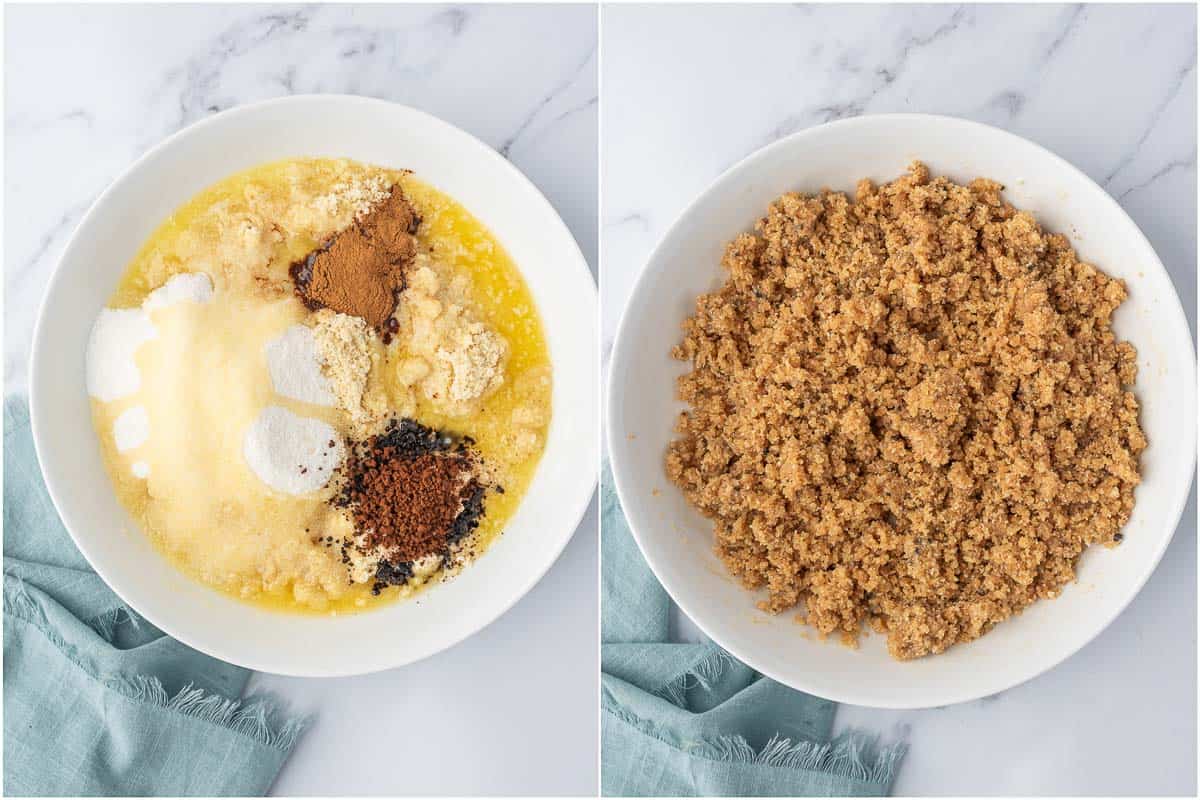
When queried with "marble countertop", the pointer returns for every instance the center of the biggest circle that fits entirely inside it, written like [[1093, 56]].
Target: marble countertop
[[1110, 88], [89, 89], [1113, 89]]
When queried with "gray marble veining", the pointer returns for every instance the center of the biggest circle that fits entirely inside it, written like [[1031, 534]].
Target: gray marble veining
[[100, 85]]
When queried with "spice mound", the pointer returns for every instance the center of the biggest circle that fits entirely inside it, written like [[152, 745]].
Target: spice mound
[[907, 409], [361, 270], [414, 494]]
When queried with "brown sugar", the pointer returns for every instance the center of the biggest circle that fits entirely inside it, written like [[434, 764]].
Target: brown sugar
[[361, 270], [907, 409]]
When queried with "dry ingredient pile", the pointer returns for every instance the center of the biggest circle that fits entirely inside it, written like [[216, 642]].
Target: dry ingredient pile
[[289, 383], [415, 494], [907, 410], [361, 270]]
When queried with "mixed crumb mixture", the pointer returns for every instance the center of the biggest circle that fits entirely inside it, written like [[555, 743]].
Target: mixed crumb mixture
[[907, 409], [316, 382]]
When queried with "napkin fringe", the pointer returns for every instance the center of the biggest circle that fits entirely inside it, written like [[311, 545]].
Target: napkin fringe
[[704, 674], [256, 717], [853, 754], [106, 624]]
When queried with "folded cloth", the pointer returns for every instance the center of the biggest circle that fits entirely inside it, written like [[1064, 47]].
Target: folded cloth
[[689, 720], [97, 701]]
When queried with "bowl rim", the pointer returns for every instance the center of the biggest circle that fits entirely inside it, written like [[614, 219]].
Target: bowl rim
[[625, 489], [578, 267]]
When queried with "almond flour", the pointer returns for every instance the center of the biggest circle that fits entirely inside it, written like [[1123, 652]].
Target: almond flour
[[348, 350], [454, 359]]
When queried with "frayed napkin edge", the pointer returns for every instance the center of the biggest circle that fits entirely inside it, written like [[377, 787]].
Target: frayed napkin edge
[[706, 672], [853, 754], [258, 717]]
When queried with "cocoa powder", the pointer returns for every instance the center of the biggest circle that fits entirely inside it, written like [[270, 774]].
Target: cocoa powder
[[361, 270]]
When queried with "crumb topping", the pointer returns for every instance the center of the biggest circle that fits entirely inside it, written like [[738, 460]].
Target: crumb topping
[[907, 409]]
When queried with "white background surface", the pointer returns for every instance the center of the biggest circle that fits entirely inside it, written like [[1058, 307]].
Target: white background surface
[[513, 709], [1112, 89]]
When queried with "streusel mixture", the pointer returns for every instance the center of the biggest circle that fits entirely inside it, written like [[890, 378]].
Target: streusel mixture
[[907, 409]]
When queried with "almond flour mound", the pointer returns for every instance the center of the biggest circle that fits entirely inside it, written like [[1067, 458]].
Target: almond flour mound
[[907, 409], [454, 359], [353, 195], [348, 350]]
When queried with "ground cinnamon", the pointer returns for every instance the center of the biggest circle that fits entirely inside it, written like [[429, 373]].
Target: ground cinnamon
[[361, 270]]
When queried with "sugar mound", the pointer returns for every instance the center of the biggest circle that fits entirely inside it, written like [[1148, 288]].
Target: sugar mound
[[290, 453], [195, 287], [117, 334], [131, 429], [295, 367]]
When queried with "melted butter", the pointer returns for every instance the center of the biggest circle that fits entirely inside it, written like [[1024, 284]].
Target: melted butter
[[202, 390], [457, 239]]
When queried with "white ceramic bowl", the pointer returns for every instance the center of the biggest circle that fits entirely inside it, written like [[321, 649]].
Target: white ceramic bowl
[[119, 222], [677, 541]]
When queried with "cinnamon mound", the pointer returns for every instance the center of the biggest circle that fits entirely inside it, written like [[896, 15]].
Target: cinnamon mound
[[908, 409], [361, 270]]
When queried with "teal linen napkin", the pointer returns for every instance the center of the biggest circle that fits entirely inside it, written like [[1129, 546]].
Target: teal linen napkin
[[689, 720], [97, 701]]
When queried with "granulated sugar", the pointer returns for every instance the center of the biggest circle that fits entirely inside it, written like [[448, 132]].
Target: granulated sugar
[[295, 367], [195, 287], [131, 429], [116, 335], [290, 453]]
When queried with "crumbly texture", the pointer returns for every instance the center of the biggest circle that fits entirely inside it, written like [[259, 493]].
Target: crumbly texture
[[908, 409], [453, 359], [361, 270], [349, 350]]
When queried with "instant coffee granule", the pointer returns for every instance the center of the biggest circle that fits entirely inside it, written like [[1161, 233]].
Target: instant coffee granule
[[412, 492], [361, 270], [409, 504]]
